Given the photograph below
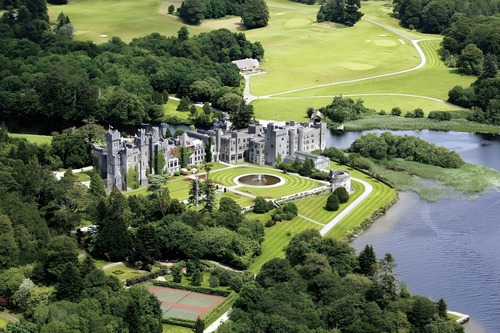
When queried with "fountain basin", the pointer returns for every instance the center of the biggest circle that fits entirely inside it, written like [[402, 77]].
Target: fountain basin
[[259, 180]]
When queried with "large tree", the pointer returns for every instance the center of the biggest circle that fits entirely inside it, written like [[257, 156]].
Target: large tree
[[254, 14], [191, 11]]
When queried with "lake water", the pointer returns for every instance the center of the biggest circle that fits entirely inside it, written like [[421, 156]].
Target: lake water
[[447, 249]]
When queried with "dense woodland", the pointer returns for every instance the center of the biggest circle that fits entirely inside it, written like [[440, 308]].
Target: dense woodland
[[45, 74], [322, 286], [254, 13]]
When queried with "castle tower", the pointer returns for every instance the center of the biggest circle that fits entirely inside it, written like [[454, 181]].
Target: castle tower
[[114, 175], [144, 159], [291, 141], [300, 145]]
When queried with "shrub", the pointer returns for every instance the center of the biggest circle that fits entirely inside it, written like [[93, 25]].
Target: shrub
[[439, 115], [396, 111], [262, 206], [419, 113], [270, 223], [332, 203], [341, 194]]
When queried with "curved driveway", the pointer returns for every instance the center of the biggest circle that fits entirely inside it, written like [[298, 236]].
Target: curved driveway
[[354, 204]]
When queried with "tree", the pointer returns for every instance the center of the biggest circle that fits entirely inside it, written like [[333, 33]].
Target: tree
[[341, 194], [184, 104], [178, 132], [419, 113], [112, 240], [191, 11], [208, 150], [254, 14], [70, 283], [208, 190], [470, 61], [442, 308], [262, 206], [332, 203], [61, 251], [97, 188], [396, 111], [340, 11], [196, 278], [159, 161], [9, 251], [171, 9], [367, 261]]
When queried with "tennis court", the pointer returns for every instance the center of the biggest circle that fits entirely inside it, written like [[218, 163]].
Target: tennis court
[[183, 304]]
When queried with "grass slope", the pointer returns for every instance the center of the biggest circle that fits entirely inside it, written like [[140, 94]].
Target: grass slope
[[38, 139]]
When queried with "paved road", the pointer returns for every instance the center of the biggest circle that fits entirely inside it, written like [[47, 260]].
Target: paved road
[[354, 204]]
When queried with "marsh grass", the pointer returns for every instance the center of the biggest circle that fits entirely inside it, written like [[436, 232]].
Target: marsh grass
[[402, 123], [433, 183]]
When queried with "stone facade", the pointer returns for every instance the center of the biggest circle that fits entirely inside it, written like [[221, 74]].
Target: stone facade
[[123, 157]]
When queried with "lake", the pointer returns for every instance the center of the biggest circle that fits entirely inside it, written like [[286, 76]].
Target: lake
[[450, 248]]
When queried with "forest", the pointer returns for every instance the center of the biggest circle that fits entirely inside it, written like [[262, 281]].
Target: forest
[[322, 286], [46, 75]]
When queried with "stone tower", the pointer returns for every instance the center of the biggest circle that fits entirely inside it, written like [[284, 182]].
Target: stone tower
[[114, 174], [142, 143]]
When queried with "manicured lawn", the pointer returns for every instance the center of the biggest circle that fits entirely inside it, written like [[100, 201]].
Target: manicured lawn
[[178, 185], [314, 207], [169, 109], [241, 200], [38, 139], [176, 329], [127, 272], [277, 237], [293, 184]]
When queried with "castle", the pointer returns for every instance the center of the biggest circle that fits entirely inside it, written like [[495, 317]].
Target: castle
[[126, 162]]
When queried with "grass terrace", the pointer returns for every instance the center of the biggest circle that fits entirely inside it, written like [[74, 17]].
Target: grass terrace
[[293, 183]]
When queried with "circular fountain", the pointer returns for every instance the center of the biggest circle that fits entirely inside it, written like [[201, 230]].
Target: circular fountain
[[259, 179]]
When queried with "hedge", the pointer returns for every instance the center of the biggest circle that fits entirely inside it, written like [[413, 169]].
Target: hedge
[[179, 322], [218, 311], [144, 278], [202, 290]]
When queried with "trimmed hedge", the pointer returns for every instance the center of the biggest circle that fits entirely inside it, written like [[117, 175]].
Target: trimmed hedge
[[218, 311], [179, 322], [144, 278], [202, 290]]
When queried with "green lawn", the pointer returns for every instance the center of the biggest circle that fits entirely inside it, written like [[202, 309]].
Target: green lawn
[[177, 185], [38, 139], [176, 329], [127, 272], [4, 321], [277, 237], [314, 207], [297, 47], [293, 184], [241, 200]]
